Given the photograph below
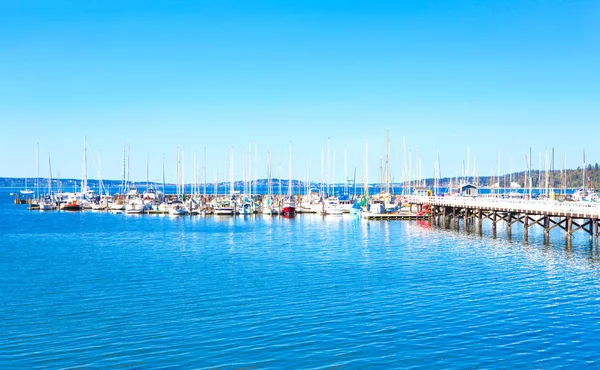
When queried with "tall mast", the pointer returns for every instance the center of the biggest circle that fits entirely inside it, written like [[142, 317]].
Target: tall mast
[[404, 167], [231, 174], [147, 173], [345, 172], [290, 184], [124, 169], [195, 172], [367, 168], [49, 176], [99, 175], [279, 179], [322, 171], [205, 171], [128, 165], [333, 174], [410, 174], [178, 174], [245, 175], [255, 170], [84, 180], [37, 170], [387, 163], [270, 181], [328, 165], [163, 174]]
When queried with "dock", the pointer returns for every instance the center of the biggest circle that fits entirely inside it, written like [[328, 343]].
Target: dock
[[400, 216], [548, 214]]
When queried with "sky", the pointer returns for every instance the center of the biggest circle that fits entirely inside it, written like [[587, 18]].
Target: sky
[[479, 82]]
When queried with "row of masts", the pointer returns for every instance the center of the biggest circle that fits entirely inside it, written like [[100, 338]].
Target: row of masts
[[412, 173]]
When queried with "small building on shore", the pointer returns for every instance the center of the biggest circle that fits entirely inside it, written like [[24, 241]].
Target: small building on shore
[[469, 190], [422, 191]]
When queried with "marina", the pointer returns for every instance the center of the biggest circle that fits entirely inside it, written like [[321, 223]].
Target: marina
[[299, 185]]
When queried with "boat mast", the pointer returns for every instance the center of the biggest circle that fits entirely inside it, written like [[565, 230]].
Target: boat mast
[[128, 166], [279, 180], [404, 167], [333, 175], [37, 170], [99, 175], [178, 175], [163, 174], [366, 169], [231, 174], [322, 171], [122, 189], [84, 181], [195, 175], [205, 171], [328, 165], [255, 170], [270, 181], [49, 176], [387, 163], [290, 183], [345, 171], [147, 173]]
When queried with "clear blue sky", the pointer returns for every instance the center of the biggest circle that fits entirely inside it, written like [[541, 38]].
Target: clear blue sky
[[448, 75]]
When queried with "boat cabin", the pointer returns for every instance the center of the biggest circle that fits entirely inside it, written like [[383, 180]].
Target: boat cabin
[[422, 191], [469, 190]]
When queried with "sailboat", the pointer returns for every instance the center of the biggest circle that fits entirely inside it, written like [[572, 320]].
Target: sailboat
[[289, 203], [26, 191], [47, 203], [267, 207]]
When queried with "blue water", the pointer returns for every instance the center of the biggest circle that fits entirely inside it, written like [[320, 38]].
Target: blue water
[[104, 290]]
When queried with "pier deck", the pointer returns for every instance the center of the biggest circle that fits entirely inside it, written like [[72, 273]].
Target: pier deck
[[393, 216], [568, 216]]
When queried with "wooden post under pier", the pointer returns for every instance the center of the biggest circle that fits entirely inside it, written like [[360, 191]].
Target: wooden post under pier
[[526, 228]]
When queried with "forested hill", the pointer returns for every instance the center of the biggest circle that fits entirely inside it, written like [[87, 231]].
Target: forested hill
[[572, 178]]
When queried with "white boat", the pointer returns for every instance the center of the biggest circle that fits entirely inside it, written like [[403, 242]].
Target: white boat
[[245, 208], [47, 204], [377, 206], [222, 207], [118, 205], [99, 206], [135, 206], [177, 208], [332, 207]]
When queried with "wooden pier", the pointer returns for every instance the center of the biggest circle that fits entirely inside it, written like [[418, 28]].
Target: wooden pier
[[567, 216], [403, 216]]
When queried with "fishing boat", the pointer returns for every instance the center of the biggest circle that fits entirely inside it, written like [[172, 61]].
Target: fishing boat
[[72, 203]]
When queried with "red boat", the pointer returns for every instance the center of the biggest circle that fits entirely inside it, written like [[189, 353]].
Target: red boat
[[72, 205], [289, 207]]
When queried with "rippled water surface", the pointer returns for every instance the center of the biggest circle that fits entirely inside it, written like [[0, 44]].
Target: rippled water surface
[[103, 290]]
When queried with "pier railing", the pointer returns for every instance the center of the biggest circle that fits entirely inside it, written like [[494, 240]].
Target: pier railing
[[540, 207]]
